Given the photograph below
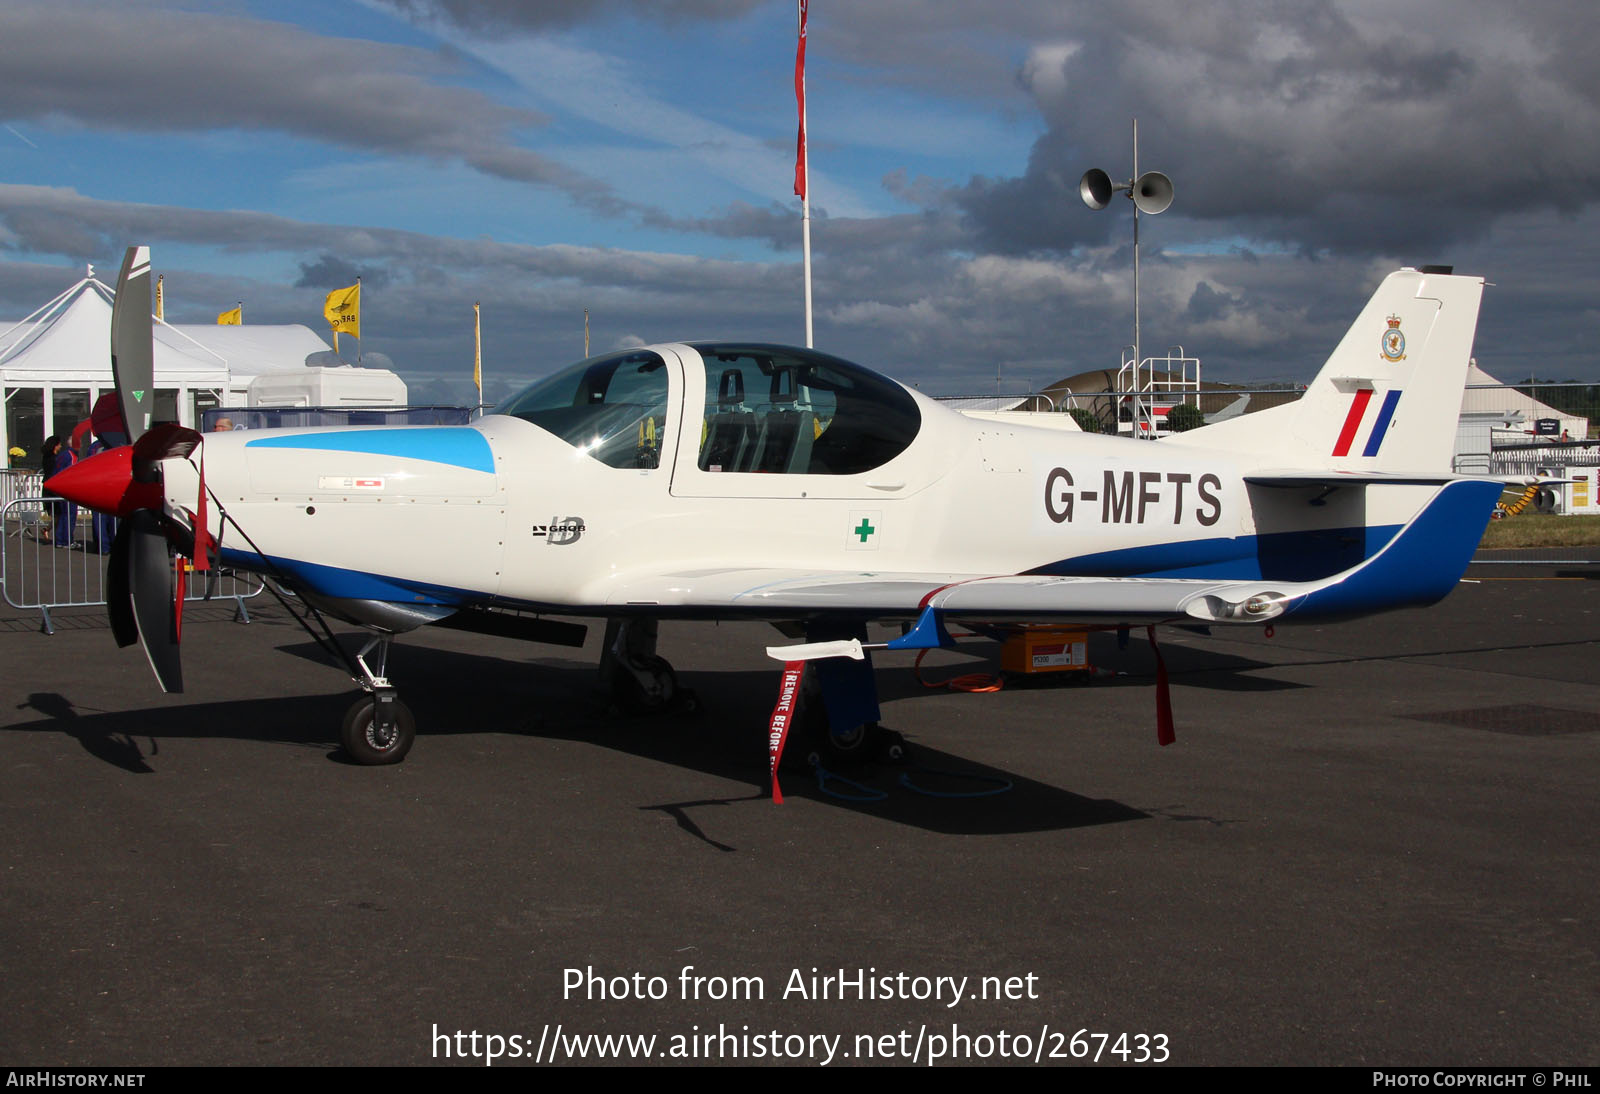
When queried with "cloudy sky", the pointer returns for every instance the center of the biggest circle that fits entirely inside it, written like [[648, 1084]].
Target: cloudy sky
[[635, 158]]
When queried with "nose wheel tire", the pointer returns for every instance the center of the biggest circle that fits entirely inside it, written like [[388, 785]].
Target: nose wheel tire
[[368, 743]]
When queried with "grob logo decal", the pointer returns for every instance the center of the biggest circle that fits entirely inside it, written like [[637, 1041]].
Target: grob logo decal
[[560, 531]]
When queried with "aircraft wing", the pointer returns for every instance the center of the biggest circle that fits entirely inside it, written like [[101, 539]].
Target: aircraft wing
[[1420, 565], [776, 593], [1329, 477]]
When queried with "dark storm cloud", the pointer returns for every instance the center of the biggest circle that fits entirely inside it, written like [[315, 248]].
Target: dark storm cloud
[[1317, 124], [946, 322], [332, 272], [1207, 303], [43, 220], [131, 67]]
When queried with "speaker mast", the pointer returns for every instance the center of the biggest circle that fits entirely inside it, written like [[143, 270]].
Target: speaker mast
[[1150, 193]]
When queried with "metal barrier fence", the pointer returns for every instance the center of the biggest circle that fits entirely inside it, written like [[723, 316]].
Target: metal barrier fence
[[16, 483], [37, 575], [1548, 459]]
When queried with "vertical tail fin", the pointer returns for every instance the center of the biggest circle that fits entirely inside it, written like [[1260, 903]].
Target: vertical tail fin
[[1388, 398]]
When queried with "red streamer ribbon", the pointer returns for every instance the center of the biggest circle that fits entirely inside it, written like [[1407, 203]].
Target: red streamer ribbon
[[1164, 731], [783, 718]]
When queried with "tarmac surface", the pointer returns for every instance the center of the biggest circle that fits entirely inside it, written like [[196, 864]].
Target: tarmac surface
[[1374, 843]]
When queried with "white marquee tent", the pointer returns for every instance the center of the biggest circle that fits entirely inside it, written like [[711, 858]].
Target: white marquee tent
[[57, 361]]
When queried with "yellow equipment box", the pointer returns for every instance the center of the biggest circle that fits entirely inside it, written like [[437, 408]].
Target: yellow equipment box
[[1046, 650]]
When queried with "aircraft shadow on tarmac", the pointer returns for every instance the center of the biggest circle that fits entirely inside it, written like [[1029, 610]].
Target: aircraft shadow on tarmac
[[557, 698], [128, 739]]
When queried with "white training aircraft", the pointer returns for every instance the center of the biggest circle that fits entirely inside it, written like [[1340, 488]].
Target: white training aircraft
[[718, 480]]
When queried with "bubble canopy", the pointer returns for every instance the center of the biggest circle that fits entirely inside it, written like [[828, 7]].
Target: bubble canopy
[[766, 409]]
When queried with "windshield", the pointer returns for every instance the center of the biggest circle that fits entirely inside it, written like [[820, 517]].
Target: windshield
[[611, 407]]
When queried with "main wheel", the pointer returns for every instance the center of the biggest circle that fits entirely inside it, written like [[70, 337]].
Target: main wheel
[[362, 740], [631, 696], [867, 742]]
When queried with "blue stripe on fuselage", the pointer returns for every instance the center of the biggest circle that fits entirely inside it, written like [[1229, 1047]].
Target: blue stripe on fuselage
[[1410, 566], [457, 446], [342, 584], [1276, 556]]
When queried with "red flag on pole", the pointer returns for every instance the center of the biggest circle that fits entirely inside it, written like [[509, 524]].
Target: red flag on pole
[[800, 101]]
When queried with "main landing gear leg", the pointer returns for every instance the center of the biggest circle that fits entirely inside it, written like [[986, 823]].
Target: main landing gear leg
[[379, 728], [634, 677], [838, 717]]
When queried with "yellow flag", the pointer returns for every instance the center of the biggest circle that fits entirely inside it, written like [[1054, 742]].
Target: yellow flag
[[343, 310], [232, 318]]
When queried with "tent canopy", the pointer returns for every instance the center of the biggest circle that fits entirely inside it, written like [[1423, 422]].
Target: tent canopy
[[68, 342]]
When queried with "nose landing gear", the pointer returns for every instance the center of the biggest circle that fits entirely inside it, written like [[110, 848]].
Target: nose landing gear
[[378, 728]]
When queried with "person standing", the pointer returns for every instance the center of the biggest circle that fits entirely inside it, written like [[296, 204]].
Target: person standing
[[63, 514], [110, 431]]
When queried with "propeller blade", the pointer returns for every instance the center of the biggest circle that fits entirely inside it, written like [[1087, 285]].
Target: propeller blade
[[150, 582], [133, 342], [166, 441], [119, 596]]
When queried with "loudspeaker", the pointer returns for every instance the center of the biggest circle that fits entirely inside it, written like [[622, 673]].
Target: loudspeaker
[[1152, 192], [1096, 189]]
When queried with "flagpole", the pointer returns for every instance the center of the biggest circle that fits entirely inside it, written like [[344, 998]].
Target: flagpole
[[805, 245], [358, 335], [477, 353], [803, 168]]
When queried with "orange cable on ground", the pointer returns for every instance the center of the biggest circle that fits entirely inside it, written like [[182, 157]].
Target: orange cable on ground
[[973, 681]]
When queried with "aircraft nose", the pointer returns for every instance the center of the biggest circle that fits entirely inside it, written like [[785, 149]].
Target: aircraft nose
[[104, 482]]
